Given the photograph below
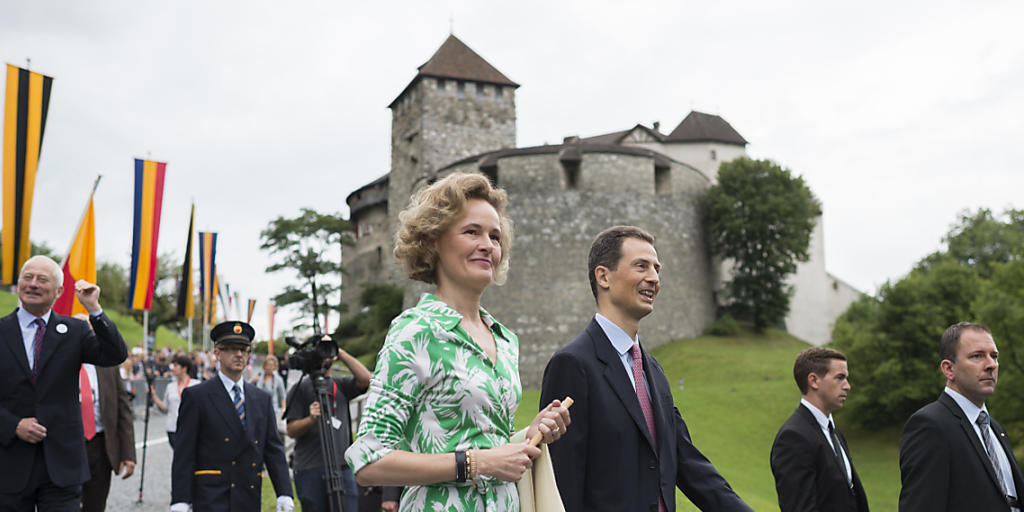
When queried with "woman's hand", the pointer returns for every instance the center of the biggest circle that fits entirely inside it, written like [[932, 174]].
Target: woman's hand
[[507, 462], [550, 423]]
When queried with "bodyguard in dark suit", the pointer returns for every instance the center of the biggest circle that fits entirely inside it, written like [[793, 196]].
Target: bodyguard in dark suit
[[112, 449], [41, 354], [226, 433], [953, 455], [810, 459], [628, 448]]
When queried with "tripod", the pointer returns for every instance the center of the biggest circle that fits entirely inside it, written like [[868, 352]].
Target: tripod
[[333, 478], [145, 430]]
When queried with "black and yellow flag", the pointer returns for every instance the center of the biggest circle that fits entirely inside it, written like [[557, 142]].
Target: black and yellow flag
[[186, 304], [28, 97]]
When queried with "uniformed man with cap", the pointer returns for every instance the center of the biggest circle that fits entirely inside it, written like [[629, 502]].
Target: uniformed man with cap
[[226, 434]]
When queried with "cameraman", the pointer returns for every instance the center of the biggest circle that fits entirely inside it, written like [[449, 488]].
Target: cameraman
[[303, 415]]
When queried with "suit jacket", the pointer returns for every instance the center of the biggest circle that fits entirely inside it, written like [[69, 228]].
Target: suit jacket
[[606, 461], [943, 464], [53, 398], [217, 462], [807, 475], [116, 415]]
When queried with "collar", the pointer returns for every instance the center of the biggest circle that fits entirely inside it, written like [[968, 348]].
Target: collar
[[25, 318], [819, 416], [444, 315], [972, 411], [229, 384], [620, 340]]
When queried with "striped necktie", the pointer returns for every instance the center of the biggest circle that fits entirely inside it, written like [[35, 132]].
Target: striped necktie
[[239, 403], [983, 422]]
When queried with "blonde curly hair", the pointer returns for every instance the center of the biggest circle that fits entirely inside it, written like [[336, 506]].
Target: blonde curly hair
[[433, 210]]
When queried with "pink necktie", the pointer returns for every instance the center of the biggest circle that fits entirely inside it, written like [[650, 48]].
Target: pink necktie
[[37, 346], [645, 405]]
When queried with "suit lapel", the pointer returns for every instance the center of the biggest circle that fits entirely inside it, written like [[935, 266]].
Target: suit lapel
[[662, 411], [11, 333], [972, 437], [52, 338], [616, 376], [225, 406], [252, 414], [1004, 441], [812, 423]]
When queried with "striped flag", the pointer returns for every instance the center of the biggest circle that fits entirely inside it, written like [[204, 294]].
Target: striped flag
[[25, 106], [207, 269], [80, 262], [149, 194], [248, 316], [186, 304]]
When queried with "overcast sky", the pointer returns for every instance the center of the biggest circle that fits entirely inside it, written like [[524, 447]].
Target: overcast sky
[[898, 114]]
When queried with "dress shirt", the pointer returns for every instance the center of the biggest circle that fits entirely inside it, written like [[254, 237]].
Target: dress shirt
[[90, 370], [622, 343], [229, 385], [28, 331], [972, 411], [823, 422]]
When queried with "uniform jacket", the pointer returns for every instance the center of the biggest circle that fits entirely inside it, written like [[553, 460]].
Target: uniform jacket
[[808, 478], [218, 462], [53, 398], [606, 461], [944, 466]]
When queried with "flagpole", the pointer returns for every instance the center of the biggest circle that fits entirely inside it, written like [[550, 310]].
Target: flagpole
[[145, 329], [190, 336]]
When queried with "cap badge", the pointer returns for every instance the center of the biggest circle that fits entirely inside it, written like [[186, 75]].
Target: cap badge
[[237, 329]]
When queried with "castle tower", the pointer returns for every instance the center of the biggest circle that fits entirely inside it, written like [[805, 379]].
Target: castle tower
[[457, 105]]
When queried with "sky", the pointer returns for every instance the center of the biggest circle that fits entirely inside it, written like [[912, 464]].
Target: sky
[[899, 115]]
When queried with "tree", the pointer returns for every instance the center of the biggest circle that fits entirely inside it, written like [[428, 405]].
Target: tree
[[303, 244], [892, 340], [761, 217]]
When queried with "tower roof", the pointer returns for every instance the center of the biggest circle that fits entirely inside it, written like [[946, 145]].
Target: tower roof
[[701, 127], [454, 60]]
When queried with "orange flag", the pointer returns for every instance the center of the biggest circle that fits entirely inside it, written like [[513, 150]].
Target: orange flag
[[80, 262]]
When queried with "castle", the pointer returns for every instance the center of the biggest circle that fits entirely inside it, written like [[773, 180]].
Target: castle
[[458, 114]]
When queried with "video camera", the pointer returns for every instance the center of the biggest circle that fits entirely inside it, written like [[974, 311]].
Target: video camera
[[310, 354]]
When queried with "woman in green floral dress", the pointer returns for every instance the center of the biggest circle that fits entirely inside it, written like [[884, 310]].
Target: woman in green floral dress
[[446, 386]]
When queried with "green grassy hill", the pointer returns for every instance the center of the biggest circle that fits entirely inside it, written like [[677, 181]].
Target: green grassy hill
[[130, 329], [735, 393]]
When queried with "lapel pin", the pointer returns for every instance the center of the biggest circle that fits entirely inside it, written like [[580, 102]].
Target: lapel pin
[[62, 328]]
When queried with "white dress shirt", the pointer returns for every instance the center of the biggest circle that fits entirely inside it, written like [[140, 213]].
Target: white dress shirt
[[972, 411], [621, 342], [823, 422]]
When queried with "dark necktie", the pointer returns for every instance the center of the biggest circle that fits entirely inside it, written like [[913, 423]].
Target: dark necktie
[[37, 346], [645, 404], [239, 403], [983, 421], [838, 451]]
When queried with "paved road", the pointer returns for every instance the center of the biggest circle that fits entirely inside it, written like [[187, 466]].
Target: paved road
[[156, 491]]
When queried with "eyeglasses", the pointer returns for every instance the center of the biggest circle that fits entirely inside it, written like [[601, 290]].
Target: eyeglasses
[[242, 350]]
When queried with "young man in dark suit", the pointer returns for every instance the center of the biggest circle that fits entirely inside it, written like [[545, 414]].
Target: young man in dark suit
[[41, 355], [226, 433], [953, 455], [810, 459], [628, 448]]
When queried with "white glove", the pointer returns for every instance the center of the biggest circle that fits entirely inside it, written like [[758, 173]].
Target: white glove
[[180, 507], [285, 504]]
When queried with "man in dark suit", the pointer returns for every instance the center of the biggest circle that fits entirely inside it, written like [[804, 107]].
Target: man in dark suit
[[628, 447], [953, 455], [226, 433], [113, 440], [41, 355], [810, 458]]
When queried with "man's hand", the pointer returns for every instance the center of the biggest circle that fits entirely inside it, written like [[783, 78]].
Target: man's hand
[[89, 295], [128, 467], [314, 410], [285, 504], [30, 431], [389, 506]]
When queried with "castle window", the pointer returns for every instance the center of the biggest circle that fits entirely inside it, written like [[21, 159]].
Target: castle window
[[570, 158], [662, 179], [480, 92], [499, 92], [460, 89], [440, 84], [380, 255], [714, 155]]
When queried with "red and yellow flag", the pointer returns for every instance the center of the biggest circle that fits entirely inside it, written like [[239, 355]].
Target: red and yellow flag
[[80, 262], [25, 106]]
